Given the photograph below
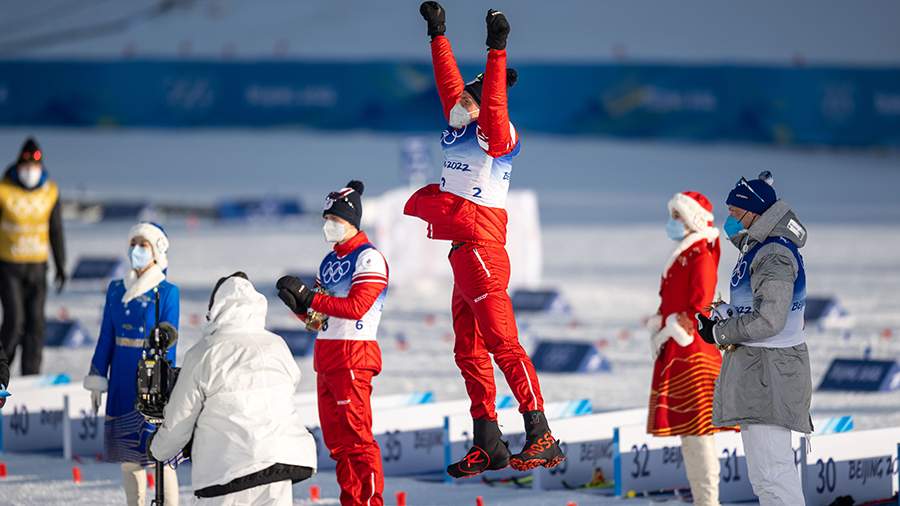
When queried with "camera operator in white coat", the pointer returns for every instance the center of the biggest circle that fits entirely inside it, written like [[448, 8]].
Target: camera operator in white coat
[[234, 398]]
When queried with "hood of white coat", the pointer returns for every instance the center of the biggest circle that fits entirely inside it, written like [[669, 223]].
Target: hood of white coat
[[237, 305]]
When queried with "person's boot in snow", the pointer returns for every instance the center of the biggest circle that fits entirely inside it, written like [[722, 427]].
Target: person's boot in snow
[[541, 448], [488, 452]]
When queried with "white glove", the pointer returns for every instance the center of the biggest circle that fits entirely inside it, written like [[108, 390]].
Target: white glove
[[97, 386]]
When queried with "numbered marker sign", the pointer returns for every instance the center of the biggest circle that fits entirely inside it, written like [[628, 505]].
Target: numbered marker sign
[[82, 429], [309, 413], [33, 420], [862, 464], [459, 432], [412, 438], [588, 444], [644, 463]]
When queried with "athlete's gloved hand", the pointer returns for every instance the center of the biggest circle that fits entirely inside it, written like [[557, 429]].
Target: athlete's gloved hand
[[497, 29], [295, 294], [705, 328], [60, 280], [97, 385], [3, 395], [434, 14]]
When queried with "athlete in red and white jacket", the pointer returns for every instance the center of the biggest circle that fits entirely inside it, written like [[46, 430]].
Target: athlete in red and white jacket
[[468, 208], [346, 356]]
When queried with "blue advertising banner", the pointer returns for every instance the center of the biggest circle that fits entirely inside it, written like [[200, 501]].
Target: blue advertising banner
[[855, 375], [835, 106]]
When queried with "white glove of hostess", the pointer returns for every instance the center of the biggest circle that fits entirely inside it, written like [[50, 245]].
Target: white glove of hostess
[[97, 385]]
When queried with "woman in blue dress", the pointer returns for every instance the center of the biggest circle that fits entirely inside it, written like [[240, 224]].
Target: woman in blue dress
[[128, 317]]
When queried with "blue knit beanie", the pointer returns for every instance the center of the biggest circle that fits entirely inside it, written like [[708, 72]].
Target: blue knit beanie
[[756, 195]]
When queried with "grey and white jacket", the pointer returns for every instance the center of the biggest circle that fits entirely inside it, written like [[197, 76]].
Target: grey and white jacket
[[767, 379]]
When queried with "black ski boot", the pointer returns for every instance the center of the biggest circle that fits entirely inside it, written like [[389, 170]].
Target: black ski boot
[[488, 452], [541, 448]]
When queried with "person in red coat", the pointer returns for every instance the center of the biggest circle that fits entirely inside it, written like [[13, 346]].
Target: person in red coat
[[686, 367], [468, 209]]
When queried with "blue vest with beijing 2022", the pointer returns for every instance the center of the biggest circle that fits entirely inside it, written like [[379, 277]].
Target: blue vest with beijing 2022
[[742, 296]]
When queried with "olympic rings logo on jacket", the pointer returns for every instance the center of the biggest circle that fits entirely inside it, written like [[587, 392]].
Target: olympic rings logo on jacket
[[335, 271]]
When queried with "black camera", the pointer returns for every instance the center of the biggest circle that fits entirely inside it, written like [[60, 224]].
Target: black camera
[[155, 375], [155, 379]]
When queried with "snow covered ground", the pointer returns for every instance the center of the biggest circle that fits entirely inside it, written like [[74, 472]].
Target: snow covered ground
[[604, 246], [611, 289], [40, 481]]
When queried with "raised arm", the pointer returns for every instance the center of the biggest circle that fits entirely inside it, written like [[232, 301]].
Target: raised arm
[[449, 81], [493, 119], [446, 74]]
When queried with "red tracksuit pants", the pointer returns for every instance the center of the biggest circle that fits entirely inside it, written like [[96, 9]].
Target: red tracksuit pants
[[345, 415], [485, 325]]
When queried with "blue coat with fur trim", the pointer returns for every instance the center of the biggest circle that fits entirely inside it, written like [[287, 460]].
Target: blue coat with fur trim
[[122, 335]]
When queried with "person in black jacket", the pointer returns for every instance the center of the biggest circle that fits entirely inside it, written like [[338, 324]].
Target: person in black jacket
[[30, 227]]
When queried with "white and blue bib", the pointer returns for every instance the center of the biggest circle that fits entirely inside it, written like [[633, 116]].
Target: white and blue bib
[[470, 172], [742, 296]]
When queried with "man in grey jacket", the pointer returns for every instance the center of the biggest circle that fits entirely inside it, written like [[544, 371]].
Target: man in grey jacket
[[765, 384]]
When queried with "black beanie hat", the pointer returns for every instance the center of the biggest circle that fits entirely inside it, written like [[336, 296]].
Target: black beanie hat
[[346, 203], [474, 86], [30, 152]]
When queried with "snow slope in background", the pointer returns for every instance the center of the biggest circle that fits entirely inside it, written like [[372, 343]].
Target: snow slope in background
[[577, 179]]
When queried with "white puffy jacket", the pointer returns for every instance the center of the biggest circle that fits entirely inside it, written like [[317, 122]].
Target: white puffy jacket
[[235, 396]]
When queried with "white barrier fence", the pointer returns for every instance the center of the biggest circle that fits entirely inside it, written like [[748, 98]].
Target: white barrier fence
[[51, 418], [649, 465], [862, 464], [42, 416], [588, 443]]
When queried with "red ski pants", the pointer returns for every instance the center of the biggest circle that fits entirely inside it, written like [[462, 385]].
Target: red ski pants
[[345, 415], [485, 325]]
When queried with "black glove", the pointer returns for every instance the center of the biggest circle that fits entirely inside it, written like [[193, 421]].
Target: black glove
[[497, 29], [434, 14], [60, 280], [705, 328], [295, 294]]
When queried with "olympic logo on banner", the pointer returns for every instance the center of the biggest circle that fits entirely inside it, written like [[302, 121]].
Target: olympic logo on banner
[[448, 137], [335, 271]]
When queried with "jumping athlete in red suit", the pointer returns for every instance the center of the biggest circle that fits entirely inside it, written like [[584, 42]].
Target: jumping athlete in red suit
[[468, 208], [346, 355]]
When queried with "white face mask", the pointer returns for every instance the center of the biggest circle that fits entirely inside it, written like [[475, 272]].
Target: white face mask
[[30, 177], [459, 116], [334, 231]]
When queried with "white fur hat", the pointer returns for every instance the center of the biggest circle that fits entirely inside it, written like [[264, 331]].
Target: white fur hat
[[159, 241]]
